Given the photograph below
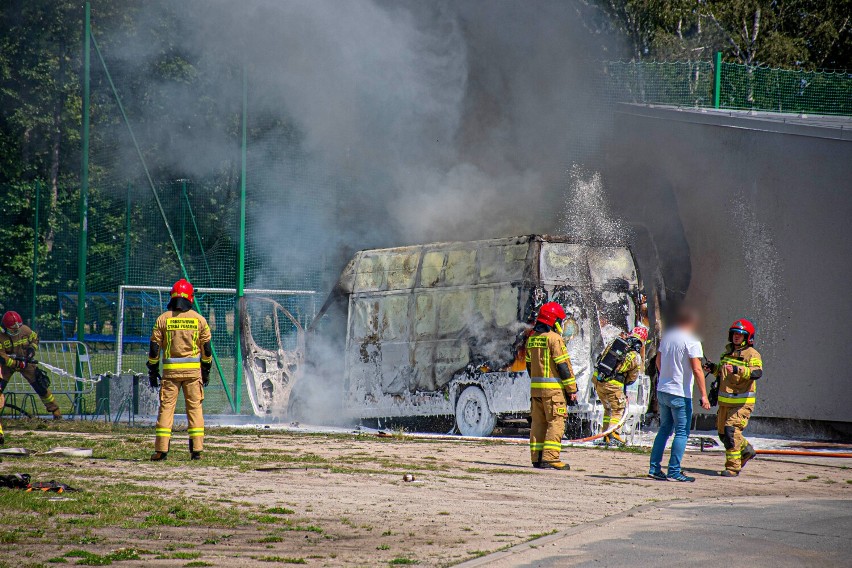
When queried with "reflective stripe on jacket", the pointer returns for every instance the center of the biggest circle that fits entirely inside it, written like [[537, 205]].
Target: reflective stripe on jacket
[[181, 336], [17, 344], [738, 388], [546, 350]]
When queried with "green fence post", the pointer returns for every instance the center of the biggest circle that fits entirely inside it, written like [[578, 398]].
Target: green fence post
[[241, 261], [127, 214], [84, 203], [717, 80], [183, 217], [35, 254]]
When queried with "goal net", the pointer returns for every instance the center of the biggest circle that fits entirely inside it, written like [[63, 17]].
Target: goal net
[[139, 306]]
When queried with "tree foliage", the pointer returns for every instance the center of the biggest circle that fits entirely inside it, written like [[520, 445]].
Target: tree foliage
[[806, 34]]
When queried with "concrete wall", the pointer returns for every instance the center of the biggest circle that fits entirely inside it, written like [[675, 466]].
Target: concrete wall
[[752, 219]]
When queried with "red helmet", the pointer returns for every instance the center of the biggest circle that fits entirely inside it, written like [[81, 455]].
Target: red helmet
[[641, 332], [183, 289], [742, 326], [12, 322], [549, 313]]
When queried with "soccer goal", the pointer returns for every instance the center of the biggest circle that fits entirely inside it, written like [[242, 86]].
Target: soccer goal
[[139, 306]]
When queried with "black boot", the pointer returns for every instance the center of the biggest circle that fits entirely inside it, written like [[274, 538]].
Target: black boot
[[193, 455], [747, 454], [537, 463], [2, 439], [159, 456]]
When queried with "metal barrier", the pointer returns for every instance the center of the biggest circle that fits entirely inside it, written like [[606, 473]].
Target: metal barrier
[[75, 393]]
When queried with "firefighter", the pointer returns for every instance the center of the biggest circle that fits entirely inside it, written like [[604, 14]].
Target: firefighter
[[182, 336], [18, 351], [610, 389], [551, 378], [738, 369]]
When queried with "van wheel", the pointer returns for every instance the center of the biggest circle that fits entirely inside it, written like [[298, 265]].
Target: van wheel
[[473, 417]]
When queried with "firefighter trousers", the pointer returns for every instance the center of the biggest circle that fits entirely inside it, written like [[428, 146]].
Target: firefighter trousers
[[547, 428], [31, 373], [611, 395], [193, 394], [730, 423]]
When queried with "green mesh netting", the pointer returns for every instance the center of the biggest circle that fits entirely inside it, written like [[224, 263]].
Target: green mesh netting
[[692, 84]]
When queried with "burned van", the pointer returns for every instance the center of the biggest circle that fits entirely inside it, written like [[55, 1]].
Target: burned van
[[439, 329]]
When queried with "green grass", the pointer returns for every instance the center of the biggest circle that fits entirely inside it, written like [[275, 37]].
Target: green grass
[[281, 559], [179, 556], [101, 504], [279, 511], [539, 535], [303, 528], [86, 558], [197, 564], [402, 561]]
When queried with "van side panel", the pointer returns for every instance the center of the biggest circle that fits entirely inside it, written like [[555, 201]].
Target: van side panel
[[419, 315]]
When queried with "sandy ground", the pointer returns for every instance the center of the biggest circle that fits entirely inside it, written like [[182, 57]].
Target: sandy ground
[[469, 498]]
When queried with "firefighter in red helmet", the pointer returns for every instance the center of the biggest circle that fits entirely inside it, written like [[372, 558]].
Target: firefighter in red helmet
[[737, 370], [552, 386], [18, 351], [182, 336]]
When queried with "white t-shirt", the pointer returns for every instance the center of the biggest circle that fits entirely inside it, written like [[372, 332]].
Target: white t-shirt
[[676, 349]]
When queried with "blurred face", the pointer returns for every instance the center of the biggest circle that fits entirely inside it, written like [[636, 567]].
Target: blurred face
[[15, 329], [738, 338]]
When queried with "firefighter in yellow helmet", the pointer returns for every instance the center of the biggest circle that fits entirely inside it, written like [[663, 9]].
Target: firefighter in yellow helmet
[[738, 369], [617, 367], [182, 336], [18, 352], [551, 379]]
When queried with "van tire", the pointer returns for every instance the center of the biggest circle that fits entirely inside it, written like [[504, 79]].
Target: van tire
[[473, 417]]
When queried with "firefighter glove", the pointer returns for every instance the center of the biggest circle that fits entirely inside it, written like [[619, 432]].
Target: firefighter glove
[[205, 374], [31, 352], [17, 364], [153, 374]]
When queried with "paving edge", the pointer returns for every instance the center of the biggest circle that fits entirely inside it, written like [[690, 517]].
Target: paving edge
[[583, 527]]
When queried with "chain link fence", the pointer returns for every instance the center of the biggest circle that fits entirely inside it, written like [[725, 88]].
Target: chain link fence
[[691, 84]]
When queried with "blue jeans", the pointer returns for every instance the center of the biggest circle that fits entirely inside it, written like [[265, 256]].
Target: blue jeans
[[675, 415]]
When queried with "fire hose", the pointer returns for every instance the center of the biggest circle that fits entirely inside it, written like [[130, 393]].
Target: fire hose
[[57, 370], [805, 453]]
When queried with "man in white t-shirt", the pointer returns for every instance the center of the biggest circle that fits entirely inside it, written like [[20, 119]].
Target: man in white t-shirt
[[679, 365]]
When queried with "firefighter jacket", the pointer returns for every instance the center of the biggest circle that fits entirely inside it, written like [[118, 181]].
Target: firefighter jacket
[[17, 344], [738, 388], [546, 350], [181, 337], [628, 371]]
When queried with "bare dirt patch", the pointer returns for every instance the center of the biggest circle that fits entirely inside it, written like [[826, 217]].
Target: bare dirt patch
[[328, 500]]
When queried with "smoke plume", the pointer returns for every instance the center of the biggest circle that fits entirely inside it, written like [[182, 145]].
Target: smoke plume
[[378, 123]]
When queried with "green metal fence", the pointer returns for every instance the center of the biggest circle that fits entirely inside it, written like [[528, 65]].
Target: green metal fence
[[706, 84]]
